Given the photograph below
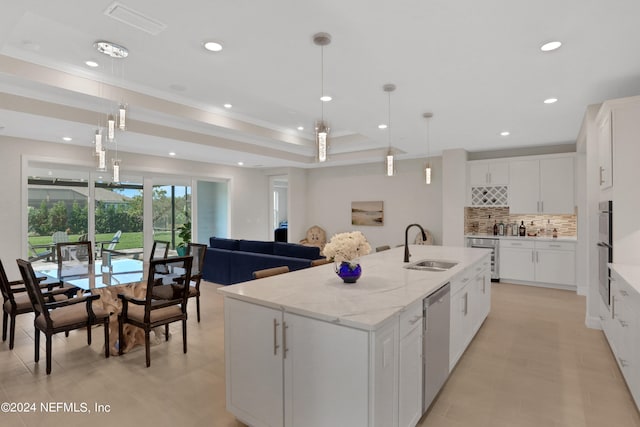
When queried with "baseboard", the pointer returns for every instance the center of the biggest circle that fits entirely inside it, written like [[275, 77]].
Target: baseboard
[[593, 322], [541, 285]]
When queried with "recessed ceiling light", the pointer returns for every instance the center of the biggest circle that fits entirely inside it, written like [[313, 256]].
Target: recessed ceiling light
[[212, 46], [550, 100], [228, 105], [240, 163], [172, 153], [548, 47], [325, 98], [92, 64], [382, 126], [300, 127], [505, 133], [66, 138]]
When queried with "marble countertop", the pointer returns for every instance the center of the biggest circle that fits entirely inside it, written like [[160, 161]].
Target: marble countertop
[[384, 290], [573, 239], [629, 272]]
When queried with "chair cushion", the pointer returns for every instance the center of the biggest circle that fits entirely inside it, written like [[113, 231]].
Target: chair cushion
[[24, 303], [193, 292], [136, 312]]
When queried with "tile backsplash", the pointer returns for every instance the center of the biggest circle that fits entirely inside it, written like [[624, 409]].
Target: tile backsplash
[[481, 220]]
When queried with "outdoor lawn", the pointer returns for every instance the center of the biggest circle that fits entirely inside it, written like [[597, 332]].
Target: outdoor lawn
[[130, 240]]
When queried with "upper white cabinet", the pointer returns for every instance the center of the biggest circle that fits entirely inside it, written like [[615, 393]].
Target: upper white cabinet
[[542, 186], [605, 141], [485, 174], [487, 183]]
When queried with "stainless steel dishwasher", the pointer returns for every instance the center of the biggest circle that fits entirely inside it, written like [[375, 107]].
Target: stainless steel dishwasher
[[435, 343]]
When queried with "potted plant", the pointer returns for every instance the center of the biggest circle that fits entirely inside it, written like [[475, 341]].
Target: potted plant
[[184, 233]]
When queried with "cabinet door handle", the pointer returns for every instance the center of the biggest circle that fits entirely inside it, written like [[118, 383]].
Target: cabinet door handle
[[624, 293], [551, 245], [537, 257], [466, 303], [532, 256], [465, 280], [415, 319], [623, 323], [601, 175], [613, 306], [489, 177], [623, 362], [542, 206], [275, 337], [284, 340]]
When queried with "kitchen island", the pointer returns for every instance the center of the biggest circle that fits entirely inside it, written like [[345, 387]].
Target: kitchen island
[[306, 349]]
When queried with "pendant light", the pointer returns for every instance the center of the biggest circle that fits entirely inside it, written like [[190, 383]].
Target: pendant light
[[114, 121], [389, 162], [321, 127], [427, 169]]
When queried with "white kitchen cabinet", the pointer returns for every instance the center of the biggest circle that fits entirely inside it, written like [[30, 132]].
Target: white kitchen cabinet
[[542, 186], [538, 261], [470, 304], [486, 174], [623, 328], [285, 369], [410, 376], [253, 353], [605, 148], [517, 260]]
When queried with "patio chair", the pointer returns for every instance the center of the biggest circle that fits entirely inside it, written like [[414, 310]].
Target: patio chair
[[44, 252], [110, 245], [61, 316], [198, 252]]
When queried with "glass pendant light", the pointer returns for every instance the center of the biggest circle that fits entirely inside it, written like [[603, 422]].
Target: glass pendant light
[[389, 164], [321, 127], [122, 117]]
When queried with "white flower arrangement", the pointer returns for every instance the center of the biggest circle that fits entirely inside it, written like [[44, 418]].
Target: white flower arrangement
[[347, 247]]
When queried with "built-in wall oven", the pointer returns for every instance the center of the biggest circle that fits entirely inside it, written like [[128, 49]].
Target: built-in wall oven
[[605, 249], [494, 245]]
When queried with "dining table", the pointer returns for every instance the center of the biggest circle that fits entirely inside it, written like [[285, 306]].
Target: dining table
[[109, 277]]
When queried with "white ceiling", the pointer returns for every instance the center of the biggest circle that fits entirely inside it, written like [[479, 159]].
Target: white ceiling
[[476, 65]]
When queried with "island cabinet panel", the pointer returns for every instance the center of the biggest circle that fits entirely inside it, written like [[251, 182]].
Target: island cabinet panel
[[253, 353], [470, 305], [410, 377], [285, 369]]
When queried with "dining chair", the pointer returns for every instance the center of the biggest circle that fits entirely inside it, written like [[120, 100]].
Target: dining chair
[[320, 261], [198, 252], [160, 249], [267, 272], [16, 301], [73, 253], [61, 316], [165, 301]]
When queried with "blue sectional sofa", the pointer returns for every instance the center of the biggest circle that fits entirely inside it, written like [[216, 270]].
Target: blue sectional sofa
[[230, 261]]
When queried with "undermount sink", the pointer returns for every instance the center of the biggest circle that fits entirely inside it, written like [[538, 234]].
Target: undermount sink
[[431, 265]]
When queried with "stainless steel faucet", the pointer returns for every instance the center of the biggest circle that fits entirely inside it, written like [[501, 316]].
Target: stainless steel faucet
[[406, 240]]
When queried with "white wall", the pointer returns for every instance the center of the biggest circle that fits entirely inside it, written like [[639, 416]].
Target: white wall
[[454, 184], [248, 189], [407, 199]]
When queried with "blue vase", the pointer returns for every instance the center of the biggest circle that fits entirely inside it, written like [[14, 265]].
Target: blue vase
[[349, 273]]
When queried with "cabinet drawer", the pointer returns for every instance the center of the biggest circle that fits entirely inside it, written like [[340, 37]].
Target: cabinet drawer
[[522, 244], [410, 318], [461, 280], [558, 246]]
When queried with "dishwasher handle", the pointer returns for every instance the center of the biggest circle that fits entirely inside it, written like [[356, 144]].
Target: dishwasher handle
[[437, 296]]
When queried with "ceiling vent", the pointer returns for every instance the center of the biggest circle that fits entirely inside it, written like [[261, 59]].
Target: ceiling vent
[[136, 19]]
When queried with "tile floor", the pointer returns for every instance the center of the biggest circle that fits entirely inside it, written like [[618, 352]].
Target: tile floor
[[533, 363]]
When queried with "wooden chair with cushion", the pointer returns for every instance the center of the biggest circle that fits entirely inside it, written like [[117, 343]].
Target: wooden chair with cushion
[[267, 272], [165, 301], [320, 261], [160, 249], [61, 316], [316, 236], [16, 301], [198, 252]]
